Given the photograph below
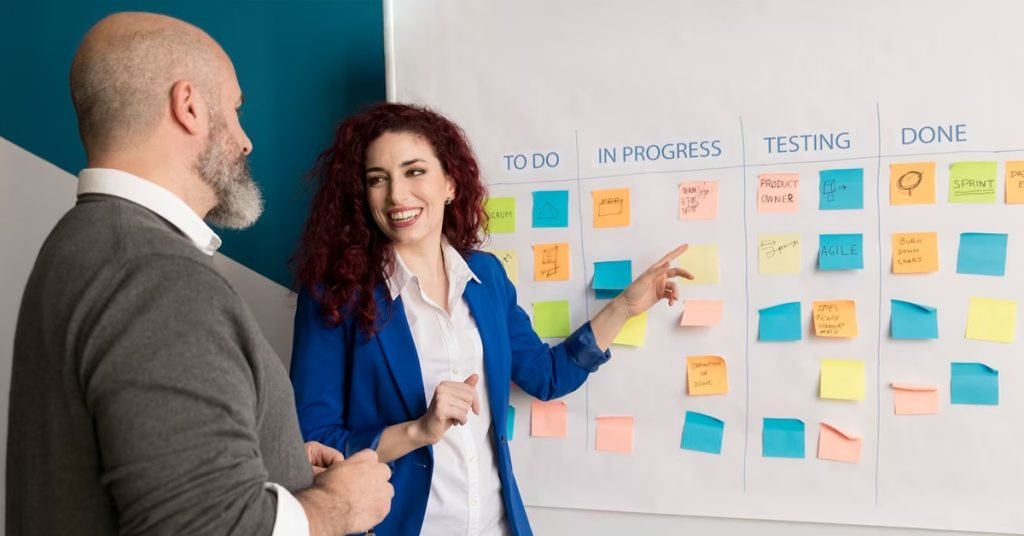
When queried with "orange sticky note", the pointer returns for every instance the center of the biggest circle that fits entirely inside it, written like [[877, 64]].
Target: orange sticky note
[[837, 445], [549, 419], [611, 207], [698, 200], [912, 184], [835, 318], [913, 399], [551, 262], [702, 312], [1015, 182], [614, 434], [778, 192], [915, 253], [706, 375]]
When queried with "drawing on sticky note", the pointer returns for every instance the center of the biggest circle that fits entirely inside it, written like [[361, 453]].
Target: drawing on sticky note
[[611, 208], [549, 260], [547, 212], [909, 181], [912, 184]]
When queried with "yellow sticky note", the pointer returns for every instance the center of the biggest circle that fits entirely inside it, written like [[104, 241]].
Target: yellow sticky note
[[614, 434], [842, 379], [706, 375], [611, 207], [510, 261], [915, 253], [835, 318], [698, 200], [992, 320], [779, 253], [549, 419], [1015, 182], [634, 332], [912, 184], [701, 261], [551, 262]]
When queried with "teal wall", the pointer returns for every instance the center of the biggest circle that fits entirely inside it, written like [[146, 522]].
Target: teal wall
[[303, 65]]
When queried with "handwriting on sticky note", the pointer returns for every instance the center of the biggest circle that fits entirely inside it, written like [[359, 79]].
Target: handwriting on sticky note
[[912, 184], [702, 312], [915, 253], [972, 182], [836, 318], [842, 379], [915, 399], [992, 320], [706, 375], [779, 254], [551, 262], [841, 189], [702, 433], [614, 434], [634, 332], [837, 445], [698, 200], [551, 209], [509, 259], [974, 383], [611, 208], [841, 252], [701, 260], [780, 323], [778, 192], [982, 254], [1015, 182], [551, 318], [913, 321], [782, 438], [501, 214], [549, 419]]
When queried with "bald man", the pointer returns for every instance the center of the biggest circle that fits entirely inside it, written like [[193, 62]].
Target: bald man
[[144, 399]]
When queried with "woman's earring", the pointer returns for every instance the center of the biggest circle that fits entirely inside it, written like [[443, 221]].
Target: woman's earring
[[447, 201]]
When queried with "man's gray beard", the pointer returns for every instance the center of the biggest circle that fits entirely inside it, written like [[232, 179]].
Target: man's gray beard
[[239, 202]]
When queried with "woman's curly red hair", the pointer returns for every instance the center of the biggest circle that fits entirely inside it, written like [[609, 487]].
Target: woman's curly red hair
[[343, 255]]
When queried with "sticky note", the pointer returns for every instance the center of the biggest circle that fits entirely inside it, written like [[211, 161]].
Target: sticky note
[[702, 312], [510, 422], [634, 332], [841, 252], [778, 193], [913, 321], [611, 208], [915, 253], [706, 375], [551, 318], [912, 184], [551, 262], [836, 445], [972, 182], [549, 419], [835, 318], [1015, 182], [913, 399], [702, 433], [974, 383], [842, 379], [780, 323], [611, 278], [501, 214], [510, 261], [782, 438], [982, 254], [841, 189], [698, 200], [551, 209], [701, 260], [614, 434], [992, 320], [779, 254]]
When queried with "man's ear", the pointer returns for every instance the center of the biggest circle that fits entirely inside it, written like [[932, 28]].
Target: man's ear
[[187, 107]]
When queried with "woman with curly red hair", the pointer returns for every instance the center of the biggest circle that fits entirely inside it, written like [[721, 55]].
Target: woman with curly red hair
[[397, 308]]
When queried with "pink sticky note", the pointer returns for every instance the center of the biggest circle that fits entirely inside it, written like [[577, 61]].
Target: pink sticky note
[[911, 399], [614, 434], [702, 312], [778, 192], [549, 419], [834, 444], [698, 200]]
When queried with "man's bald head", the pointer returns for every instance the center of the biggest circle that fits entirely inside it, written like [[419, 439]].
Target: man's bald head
[[124, 70]]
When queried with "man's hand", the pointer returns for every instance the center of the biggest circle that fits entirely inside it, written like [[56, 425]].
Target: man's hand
[[321, 456], [348, 496]]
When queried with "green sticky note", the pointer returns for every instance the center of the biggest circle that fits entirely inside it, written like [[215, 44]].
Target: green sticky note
[[972, 182], [501, 214], [551, 319]]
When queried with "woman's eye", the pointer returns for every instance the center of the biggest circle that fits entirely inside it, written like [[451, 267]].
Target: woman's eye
[[416, 172], [374, 180]]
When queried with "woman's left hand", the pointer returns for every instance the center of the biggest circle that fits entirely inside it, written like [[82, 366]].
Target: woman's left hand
[[653, 285]]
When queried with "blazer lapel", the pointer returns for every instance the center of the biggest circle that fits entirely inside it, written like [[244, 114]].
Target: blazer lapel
[[399, 349], [495, 365]]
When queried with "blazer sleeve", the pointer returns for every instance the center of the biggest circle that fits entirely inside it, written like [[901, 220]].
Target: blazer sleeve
[[321, 374]]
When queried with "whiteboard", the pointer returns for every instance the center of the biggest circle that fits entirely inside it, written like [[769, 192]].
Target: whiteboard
[[576, 77]]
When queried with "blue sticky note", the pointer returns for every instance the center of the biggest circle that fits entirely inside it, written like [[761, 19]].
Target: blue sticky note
[[780, 323], [841, 189], [551, 209], [606, 294], [510, 422], [982, 253], [974, 383], [914, 321], [612, 275], [782, 438], [702, 433], [841, 252]]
